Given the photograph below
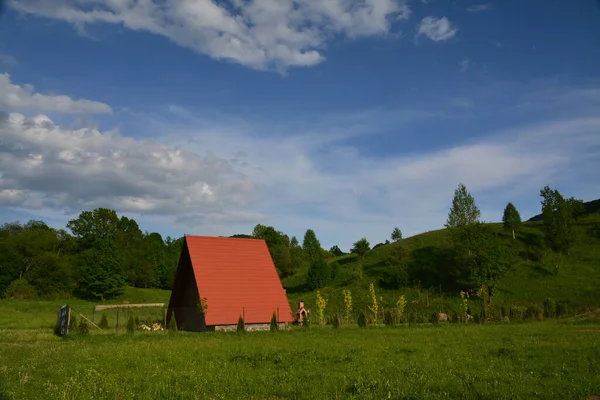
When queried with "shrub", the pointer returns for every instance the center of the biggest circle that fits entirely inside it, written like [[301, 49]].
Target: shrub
[[503, 312], [83, 327], [20, 289], [240, 325], [172, 327], [517, 313], [534, 311], [73, 322], [274, 325], [562, 309], [136, 320], [435, 318], [549, 308], [103, 321], [362, 320], [130, 325], [388, 318], [335, 321]]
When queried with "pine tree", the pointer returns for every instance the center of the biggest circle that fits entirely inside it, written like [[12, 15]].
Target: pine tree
[[464, 211], [103, 321], [240, 325], [274, 325], [312, 246], [511, 218]]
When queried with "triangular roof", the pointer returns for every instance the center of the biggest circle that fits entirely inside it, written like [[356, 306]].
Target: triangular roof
[[237, 277]]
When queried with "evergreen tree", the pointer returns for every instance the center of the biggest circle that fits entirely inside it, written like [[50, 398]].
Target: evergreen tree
[[511, 218], [312, 246], [463, 211]]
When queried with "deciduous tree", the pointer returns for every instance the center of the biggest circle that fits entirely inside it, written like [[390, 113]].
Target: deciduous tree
[[463, 211], [396, 234], [557, 220], [361, 247], [511, 218], [312, 246]]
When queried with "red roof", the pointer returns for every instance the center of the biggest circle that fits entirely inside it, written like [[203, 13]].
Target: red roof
[[237, 277]]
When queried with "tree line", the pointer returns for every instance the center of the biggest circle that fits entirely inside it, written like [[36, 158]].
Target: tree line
[[103, 253]]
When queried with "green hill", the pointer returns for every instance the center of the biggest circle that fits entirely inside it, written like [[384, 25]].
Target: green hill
[[530, 280], [591, 207]]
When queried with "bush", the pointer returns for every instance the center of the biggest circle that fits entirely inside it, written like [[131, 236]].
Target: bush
[[130, 325], [72, 322], [103, 321], [562, 310], [335, 321], [435, 318], [362, 320], [20, 289], [274, 325], [240, 325], [549, 308], [319, 274], [517, 313], [83, 327], [172, 327], [388, 318], [503, 312], [534, 311]]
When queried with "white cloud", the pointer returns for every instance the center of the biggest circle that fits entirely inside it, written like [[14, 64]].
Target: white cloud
[[464, 65], [7, 59], [48, 166], [479, 7], [14, 96], [228, 179], [259, 33], [437, 29]]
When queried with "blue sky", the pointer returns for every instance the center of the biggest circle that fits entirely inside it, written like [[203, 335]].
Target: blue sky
[[348, 117]]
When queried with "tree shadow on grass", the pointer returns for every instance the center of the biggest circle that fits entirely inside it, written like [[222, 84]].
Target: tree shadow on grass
[[302, 288]]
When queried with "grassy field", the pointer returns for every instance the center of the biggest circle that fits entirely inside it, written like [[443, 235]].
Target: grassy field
[[546, 360]]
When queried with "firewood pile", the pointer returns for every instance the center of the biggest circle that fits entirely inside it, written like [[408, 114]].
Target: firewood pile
[[155, 327]]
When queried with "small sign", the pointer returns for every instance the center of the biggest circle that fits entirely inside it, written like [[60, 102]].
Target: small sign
[[63, 320]]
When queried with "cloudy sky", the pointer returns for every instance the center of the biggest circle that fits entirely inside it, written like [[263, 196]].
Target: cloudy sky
[[349, 117]]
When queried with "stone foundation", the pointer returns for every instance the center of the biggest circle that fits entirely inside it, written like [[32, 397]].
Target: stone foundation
[[248, 327]]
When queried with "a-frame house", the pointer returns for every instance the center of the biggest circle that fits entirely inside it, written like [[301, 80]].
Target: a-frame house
[[234, 277]]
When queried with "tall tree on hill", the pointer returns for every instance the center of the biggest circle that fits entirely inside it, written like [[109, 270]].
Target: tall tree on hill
[[557, 220], [361, 247], [296, 254], [312, 246], [577, 208], [511, 218], [336, 251], [100, 275], [463, 211], [396, 234], [102, 223], [279, 247]]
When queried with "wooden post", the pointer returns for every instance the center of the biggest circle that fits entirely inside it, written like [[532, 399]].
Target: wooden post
[[68, 321], [277, 315], [165, 321], [117, 325]]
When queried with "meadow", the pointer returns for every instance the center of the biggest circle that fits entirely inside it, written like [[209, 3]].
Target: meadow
[[550, 359]]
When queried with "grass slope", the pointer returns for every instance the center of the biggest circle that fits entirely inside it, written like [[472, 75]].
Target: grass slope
[[530, 281]]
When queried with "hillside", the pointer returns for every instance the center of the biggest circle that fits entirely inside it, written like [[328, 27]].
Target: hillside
[[530, 280], [591, 207]]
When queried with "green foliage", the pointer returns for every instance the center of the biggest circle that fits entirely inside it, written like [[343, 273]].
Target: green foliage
[[576, 208], [20, 289], [361, 248], [335, 321], [240, 325], [172, 326], [103, 321], [83, 327], [557, 220], [274, 325], [396, 234], [463, 211], [362, 320], [549, 307], [335, 250], [319, 274], [388, 318], [312, 247], [511, 218], [100, 271], [130, 325], [73, 322]]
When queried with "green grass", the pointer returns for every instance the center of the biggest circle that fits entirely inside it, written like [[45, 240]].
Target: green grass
[[540, 360], [531, 280]]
